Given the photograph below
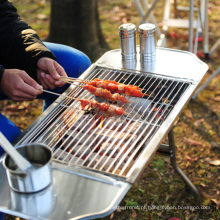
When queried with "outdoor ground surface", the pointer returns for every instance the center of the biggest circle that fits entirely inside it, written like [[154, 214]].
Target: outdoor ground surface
[[197, 131]]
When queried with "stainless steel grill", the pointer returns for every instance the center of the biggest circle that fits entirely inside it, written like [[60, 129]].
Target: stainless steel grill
[[113, 145], [100, 156]]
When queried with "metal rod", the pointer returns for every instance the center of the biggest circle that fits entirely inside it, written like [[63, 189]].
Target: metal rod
[[206, 28], [179, 171], [191, 25], [203, 86]]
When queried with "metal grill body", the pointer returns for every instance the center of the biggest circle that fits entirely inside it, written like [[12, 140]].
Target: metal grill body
[[110, 152]]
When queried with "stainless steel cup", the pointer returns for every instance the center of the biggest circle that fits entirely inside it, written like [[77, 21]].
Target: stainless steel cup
[[147, 41], [127, 34], [39, 155]]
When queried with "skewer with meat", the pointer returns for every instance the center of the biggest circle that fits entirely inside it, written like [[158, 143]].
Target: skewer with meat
[[108, 109], [117, 87], [105, 93], [112, 86]]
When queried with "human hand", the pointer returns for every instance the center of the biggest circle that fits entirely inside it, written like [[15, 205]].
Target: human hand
[[19, 86], [49, 72]]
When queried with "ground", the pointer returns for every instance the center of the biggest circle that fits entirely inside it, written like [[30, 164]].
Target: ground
[[197, 131]]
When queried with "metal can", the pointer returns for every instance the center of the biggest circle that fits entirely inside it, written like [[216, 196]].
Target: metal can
[[147, 41], [127, 34]]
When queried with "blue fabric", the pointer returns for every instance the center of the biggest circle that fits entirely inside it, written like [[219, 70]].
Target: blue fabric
[[2, 216], [73, 61]]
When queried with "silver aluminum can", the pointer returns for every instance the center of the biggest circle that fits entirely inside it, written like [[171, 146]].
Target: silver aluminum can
[[147, 41], [127, 34]]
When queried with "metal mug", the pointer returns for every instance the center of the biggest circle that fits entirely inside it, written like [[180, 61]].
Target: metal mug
[[40, 156]]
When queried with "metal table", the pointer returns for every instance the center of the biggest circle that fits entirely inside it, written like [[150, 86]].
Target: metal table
[[78, 193]]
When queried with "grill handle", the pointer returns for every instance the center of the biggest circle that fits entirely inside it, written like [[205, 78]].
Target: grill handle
[[96, 177]]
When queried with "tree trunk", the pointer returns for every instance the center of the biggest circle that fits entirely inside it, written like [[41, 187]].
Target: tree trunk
[[76, 23]]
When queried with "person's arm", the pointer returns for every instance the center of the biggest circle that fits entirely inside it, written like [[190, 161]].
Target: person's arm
[[20, 46]]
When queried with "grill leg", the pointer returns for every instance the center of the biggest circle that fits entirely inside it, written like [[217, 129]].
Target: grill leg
[[179, 171]]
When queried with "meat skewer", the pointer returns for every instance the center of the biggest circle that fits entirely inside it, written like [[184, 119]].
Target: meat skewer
[[108, 109], [105, 93], [112, 86]]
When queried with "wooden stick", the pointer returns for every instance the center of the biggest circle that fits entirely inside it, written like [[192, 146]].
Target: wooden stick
[[74, 79], [60, 95]]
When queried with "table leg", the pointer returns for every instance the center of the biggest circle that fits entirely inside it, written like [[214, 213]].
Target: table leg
[[179, 171]]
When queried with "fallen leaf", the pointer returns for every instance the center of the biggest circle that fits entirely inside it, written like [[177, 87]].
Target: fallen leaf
[[121, 14], [192, 159], [192, 142], [216, 99], [124, 20], [216, 202], [42, 17], [11, 108], [200, 54], [116, 9], [112, 215], [116, 18], [215, 162], [198, 122], [188, 114], [149, 216], [202, 184], [134, 214], [174, 218]]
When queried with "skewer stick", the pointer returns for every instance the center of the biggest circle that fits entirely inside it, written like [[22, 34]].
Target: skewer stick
[[74, 79], [66, 96], [67, 80]]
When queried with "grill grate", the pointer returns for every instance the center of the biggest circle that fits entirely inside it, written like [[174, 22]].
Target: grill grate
[[109, 144]]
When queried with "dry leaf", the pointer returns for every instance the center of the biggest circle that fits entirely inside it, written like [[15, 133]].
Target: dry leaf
[[121, 14], [11, 108], [149, 216], [112, 215], [215, 162], [188, 114], [202, 184], [216, 202], [134, 214], [192, 159], [216, 99], [197, 122], [116, 9], [192, 142], [42, 17], [124, 20], [116, 18]]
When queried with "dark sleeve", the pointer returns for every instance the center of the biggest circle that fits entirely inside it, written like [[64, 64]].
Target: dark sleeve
[[20, 46], [2, 69]]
